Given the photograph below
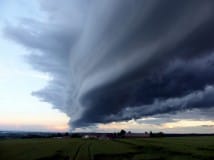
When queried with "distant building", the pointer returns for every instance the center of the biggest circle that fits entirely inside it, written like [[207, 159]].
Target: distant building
[[104, 137], [137, 135], [89, 136]]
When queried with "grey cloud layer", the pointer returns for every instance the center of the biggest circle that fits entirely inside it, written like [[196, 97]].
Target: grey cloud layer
[[107, 57]]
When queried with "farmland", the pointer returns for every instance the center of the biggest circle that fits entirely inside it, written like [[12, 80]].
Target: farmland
[[174, 148]]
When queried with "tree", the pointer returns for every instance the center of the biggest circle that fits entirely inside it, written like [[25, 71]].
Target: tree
[[122, 133], [66, 134]]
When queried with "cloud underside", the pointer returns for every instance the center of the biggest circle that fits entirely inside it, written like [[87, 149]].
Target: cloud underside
[[117, 60]]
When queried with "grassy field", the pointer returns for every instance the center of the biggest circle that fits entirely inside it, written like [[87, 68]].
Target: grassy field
[[182, 148]]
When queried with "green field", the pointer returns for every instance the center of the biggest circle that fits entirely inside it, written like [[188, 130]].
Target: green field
[[182, 148]]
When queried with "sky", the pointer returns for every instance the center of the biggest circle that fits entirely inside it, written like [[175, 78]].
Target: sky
[[91, 65]]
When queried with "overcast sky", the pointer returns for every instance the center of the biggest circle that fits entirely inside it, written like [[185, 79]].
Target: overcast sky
[[91, 65]]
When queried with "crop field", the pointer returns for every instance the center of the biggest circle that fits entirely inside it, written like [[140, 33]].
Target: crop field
[[179, 148]]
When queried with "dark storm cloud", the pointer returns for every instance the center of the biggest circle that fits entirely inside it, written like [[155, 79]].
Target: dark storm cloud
[[180, 78], [117, 60], [200, 100]]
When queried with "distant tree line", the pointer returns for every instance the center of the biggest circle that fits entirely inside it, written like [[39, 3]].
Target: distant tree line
[[159, 134]]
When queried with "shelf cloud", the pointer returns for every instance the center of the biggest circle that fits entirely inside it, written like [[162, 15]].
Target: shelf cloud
[[117, 60]]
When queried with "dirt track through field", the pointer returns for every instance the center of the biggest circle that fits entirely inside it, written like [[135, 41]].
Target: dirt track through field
[[83, 152], [90, 155], [77, 151]]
